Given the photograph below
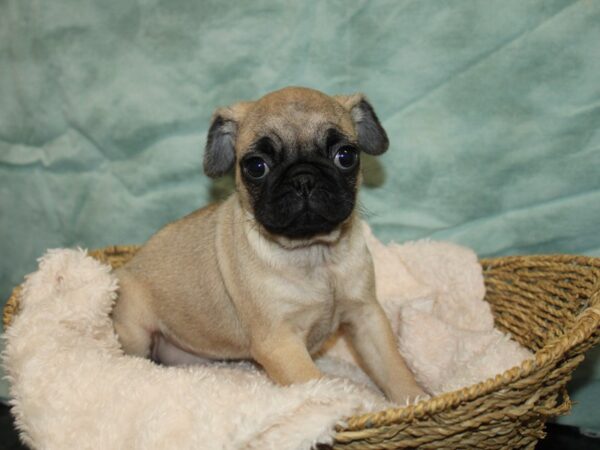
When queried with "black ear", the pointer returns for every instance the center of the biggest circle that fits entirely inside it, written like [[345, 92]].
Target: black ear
[[372, 138], [219, 153]]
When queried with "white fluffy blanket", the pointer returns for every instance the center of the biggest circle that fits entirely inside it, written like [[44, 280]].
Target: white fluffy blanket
[[73, 388]]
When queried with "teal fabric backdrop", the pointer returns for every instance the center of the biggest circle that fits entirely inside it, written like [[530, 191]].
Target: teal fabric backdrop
[[492, 107]]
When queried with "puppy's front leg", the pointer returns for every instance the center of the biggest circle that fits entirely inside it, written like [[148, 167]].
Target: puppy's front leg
[[373, 339], [284, 357]]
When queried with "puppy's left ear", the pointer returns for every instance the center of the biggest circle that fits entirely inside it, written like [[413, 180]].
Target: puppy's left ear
[[372, 138], [219, 153]]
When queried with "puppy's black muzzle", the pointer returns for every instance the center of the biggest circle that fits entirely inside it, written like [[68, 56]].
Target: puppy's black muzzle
[[305, 198]]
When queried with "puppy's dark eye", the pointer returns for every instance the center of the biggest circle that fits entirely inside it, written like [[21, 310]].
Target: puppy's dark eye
[[345, 158], [256, 167]]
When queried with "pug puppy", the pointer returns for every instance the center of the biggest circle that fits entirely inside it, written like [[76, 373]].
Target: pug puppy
[[273, 271]]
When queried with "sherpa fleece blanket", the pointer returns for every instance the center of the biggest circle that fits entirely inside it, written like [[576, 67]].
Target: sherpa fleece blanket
[[72, 386]]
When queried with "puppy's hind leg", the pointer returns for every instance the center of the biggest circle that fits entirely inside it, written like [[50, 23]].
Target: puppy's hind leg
[[132, 318], [166, 353]]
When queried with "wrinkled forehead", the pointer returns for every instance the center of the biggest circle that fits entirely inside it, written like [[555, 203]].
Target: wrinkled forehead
[[294, 121]]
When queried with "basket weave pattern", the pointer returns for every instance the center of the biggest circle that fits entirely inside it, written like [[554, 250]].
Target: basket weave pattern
[[549, 304]]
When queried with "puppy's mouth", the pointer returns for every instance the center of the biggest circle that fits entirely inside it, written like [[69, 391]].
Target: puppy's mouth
[[308, 217], [307, 223]]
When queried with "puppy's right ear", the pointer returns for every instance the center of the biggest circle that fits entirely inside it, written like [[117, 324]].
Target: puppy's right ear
[[219, 153], [372, 138]]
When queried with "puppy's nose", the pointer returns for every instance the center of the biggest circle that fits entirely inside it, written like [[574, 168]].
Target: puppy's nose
[[304, 184], [302, 178]]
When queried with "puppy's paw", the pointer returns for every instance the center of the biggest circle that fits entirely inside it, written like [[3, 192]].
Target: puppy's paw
[[410, 396]]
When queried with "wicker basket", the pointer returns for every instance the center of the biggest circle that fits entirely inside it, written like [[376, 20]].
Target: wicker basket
[[549, 304]]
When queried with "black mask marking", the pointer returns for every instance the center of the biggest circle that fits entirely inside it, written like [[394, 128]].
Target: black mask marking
[[304, 194]]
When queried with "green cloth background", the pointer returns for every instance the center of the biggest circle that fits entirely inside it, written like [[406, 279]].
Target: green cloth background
[[492, 108]]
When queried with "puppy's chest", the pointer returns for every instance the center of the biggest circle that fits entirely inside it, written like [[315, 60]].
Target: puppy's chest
[[305, 289], [309, 289], [310, 305]]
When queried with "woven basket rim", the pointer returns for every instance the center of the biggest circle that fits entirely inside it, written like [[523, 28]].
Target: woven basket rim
[[585, 324], [587, 321], [546, 355]]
